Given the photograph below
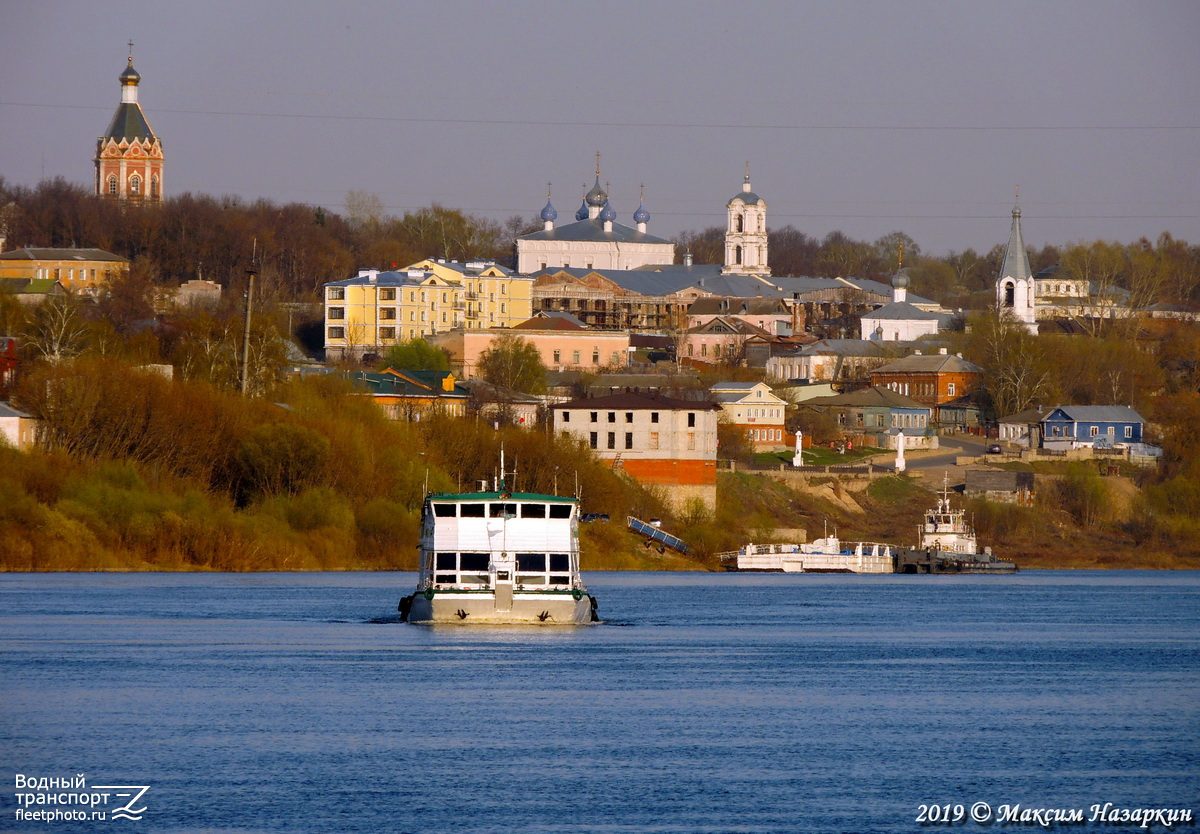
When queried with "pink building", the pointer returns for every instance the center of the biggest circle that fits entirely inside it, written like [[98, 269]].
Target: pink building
[[563, 345]]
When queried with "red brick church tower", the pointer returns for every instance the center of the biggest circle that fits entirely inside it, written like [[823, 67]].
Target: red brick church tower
[[129, 158]]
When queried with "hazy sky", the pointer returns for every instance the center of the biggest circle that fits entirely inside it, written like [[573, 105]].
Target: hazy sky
[[865, 117]]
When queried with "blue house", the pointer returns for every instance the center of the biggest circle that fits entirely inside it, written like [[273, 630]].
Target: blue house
[[1073, 426]]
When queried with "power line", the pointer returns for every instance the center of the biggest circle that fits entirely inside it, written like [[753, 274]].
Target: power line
[[678, 125]]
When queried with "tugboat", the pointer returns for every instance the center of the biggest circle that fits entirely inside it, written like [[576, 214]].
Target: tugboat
[[499, 557], [947, 544]]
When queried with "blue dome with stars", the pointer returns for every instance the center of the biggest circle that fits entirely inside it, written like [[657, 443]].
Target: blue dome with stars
[[597, 196], [641, 215], [582, 214], [548, 213], [608, 213]]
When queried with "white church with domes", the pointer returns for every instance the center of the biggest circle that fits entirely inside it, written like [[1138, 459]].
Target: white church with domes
[[597, 241], [594, 241]]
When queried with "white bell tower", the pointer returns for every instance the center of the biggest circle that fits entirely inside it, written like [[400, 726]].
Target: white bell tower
[[746, 233]]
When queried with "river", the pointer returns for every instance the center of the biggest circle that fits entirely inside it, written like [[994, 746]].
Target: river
[[705, 702]]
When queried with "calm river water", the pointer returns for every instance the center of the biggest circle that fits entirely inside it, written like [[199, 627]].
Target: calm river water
[[709, 702]]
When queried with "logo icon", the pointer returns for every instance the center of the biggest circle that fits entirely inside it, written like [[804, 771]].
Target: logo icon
[[126, 811]]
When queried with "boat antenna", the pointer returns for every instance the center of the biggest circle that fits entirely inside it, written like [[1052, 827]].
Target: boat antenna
[[502, 472], [577, 495]]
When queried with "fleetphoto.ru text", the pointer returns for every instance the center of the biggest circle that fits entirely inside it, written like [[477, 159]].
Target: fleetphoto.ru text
[[54, 798]]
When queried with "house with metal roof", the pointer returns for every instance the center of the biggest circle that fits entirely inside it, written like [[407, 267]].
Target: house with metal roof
[[80, 271], [1077, 426], [414, 395], [755, 408], [944, 381], [831, 360], [878, 413]]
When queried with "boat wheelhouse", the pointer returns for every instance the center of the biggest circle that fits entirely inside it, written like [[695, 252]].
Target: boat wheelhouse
[[499, 557]]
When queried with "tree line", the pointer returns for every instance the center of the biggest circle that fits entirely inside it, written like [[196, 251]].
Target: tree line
[[297, 247]]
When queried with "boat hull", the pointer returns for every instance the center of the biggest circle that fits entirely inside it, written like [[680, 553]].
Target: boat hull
[[526, 608]]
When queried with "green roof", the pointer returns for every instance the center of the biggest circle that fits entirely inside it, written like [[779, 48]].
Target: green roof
[[498, 496], [128, 123]]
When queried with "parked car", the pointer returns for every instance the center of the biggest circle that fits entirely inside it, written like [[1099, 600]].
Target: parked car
[[995, 449], [589, 517]]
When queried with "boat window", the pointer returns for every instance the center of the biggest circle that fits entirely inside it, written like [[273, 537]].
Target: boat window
[[474, 579], [446, 561], [444, 510], [560, 562], [474, 561], [560, 580], [502, 510], [533, 511], [472, 511], [446, 578], [531, 562], [531, 579], [560, 510]]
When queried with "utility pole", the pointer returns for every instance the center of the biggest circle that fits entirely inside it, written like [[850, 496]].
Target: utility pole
[[250, 273]]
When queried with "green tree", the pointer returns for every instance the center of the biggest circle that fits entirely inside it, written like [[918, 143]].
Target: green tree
[[415, 355], [512, 362]]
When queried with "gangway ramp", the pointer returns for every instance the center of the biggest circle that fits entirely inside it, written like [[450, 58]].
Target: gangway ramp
[[653, 533]]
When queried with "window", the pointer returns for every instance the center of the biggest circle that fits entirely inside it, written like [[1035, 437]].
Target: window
[[612, 440], [135, 184], [471, 510], [612, 416], [387, 332], [337, 333], [1129, 432], [337, 313], [1057, 431], [337, 293], [387, 294], [592, 440], [704, 349], [628, 440], [154, 186], [653, 416], [112, 186], [690, 350], [387, 313], [949, 389], [503, 307], [443, 318], [691, 419], [557, 357], [595, 416], [575, 357], [628, 416], [1093, 431], [1112, 431], [566, 415], [616, 357], [653, 440]]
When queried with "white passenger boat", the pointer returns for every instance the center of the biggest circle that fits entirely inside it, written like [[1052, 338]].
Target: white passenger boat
[[499, 557]]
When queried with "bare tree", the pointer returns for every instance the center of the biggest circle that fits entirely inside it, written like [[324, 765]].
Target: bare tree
[[58, 329]]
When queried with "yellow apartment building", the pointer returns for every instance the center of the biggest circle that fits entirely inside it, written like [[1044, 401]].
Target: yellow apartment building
[[82, 271], [376, 309]]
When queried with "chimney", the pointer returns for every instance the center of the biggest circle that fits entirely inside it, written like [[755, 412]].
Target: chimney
[[941, 351]]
